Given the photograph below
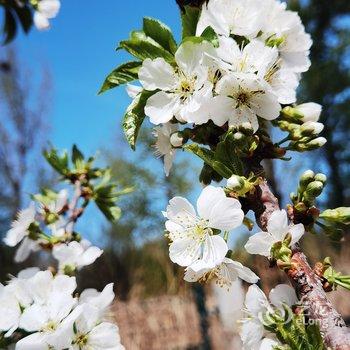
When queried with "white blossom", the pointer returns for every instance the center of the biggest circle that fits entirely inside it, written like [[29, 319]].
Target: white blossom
[[244, 97], [284, 29], [19, 232], [46, 10], [75, 255], [277, 229], [256, 305], [182, 90], [239, 17], [192, 235], [92, 332], [224, 272], [163, 145]]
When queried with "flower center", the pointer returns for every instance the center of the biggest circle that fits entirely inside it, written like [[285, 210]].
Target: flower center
[[81, 340], [50, 326]]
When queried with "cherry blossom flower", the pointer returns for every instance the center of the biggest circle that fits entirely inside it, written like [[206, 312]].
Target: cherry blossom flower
[[182, 89], [277, 228], [226, 17], [256, 305], [244, 97], [20, 232], [75, 255], [224, 273], [192, 236]]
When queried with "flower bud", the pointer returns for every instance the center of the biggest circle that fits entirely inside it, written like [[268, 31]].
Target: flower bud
[[309, 111], [313, 189], [238, 136], [338, 215], [321, 177], [306, 178], [316, 143], [235, 182], [176, 139], [311, 128]]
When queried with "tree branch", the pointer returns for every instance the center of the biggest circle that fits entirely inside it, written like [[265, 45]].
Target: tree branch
[[307, 283]]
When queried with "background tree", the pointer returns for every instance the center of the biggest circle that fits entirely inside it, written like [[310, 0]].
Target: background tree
[[23, 132]]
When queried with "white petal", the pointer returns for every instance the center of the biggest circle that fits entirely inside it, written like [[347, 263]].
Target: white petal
[[49, 8], [105, 336], [161, 107], [209, 196], [64, 284], [297, 232], [35, 341], [41, 22], [283, 293], [184, 251], [251, 333], [181, 211], [226, 214], [14, 236], [214, 250], [260, 243], [60, 305], [277, 225], [26, 247], [10, 311], [157, 74], [244, 272], [268, 344], [133, 90], [266, 105], [255, 300], [168, 162], [34, 318], [90, 255]]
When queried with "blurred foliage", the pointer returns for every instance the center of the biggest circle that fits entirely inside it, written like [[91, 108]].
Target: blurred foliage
[[16, 13], [136, 251], [23, 132]]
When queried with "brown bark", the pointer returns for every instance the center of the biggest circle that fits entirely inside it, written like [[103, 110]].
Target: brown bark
[[307, 284]]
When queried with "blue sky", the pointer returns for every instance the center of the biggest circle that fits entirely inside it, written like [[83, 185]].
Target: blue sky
[[79, 51]]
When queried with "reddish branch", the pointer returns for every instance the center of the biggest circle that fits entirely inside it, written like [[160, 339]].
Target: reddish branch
[[307, 283]]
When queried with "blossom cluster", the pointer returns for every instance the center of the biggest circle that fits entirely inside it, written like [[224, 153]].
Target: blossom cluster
[[248, 74], [39, 309], [42, 311], [70, 251]]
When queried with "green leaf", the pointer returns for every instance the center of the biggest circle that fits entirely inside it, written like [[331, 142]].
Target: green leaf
[[210, 35], [189, 17], [123, 74], [208, 157], [160, 32], [142, 46], [25, 17], [77, 158], [10, 27], [225, 153], [134, 117], [58, 162]]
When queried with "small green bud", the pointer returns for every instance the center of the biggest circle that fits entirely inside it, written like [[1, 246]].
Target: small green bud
[[339, 215], [321, 177], [293, 197], [51, 218], [313, 189], [307, 177]]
